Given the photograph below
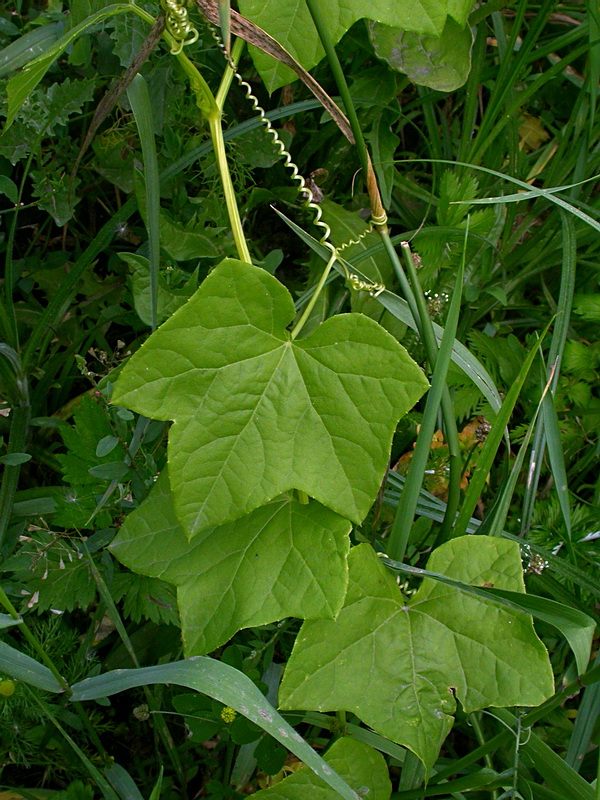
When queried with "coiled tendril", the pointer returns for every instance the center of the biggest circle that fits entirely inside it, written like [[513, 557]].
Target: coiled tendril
[[304, 190], [178, 25]]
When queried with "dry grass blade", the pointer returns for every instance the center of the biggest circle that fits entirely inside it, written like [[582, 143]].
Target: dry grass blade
[[108, 102], [251, 33]]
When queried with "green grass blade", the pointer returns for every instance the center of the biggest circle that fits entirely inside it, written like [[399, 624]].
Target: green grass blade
[[27, 669], [405, 512], [224, 684], [502, 505], [30, 45], [488, 452], [577, 628], [139, 98], [585, 723], [547, 426], [557, 459]]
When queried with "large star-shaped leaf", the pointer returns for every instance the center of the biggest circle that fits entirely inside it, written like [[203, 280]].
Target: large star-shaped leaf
[[256, 413], [285, 559], [398, 663]]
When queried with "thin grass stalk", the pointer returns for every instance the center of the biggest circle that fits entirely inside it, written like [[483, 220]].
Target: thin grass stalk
[[340, 79], [403, 520], [19, 427], [492, 443], [139, 99], [447, 406], [113, 612], [94, 773], [557, 345]]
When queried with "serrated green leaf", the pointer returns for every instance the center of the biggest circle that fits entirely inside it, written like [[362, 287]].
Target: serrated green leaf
[[397, 663], [294, 28], [284, 559], [441, 62], [145, 598], [91, 426], [54, 572], [362, 767], [257, 414], [22, 85]]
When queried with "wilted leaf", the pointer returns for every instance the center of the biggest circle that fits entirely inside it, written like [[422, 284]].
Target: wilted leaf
[[441, 62]]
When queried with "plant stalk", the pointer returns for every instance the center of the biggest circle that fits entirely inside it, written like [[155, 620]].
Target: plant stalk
[[418, 307], [314, 297], [377, 210]]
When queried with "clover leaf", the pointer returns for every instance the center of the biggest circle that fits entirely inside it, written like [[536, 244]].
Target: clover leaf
[[257, 413], [399, 662]]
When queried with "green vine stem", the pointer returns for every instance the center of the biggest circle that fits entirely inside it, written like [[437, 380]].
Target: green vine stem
[[212, 113], [378, 214]]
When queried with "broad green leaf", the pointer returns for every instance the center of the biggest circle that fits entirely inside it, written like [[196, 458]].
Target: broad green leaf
[[284, 559], [362, 767], [398, 663], [441, 62], [257, 414], [224, 684], [291, 24]]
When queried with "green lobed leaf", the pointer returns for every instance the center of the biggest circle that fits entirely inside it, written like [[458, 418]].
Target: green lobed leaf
[[362, 767], [257, 414], [293, 27], [441, 62], [378, 660], [284, 559]]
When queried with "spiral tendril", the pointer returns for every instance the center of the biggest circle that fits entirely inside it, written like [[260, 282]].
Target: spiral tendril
[[304, 190], [178, 25]]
